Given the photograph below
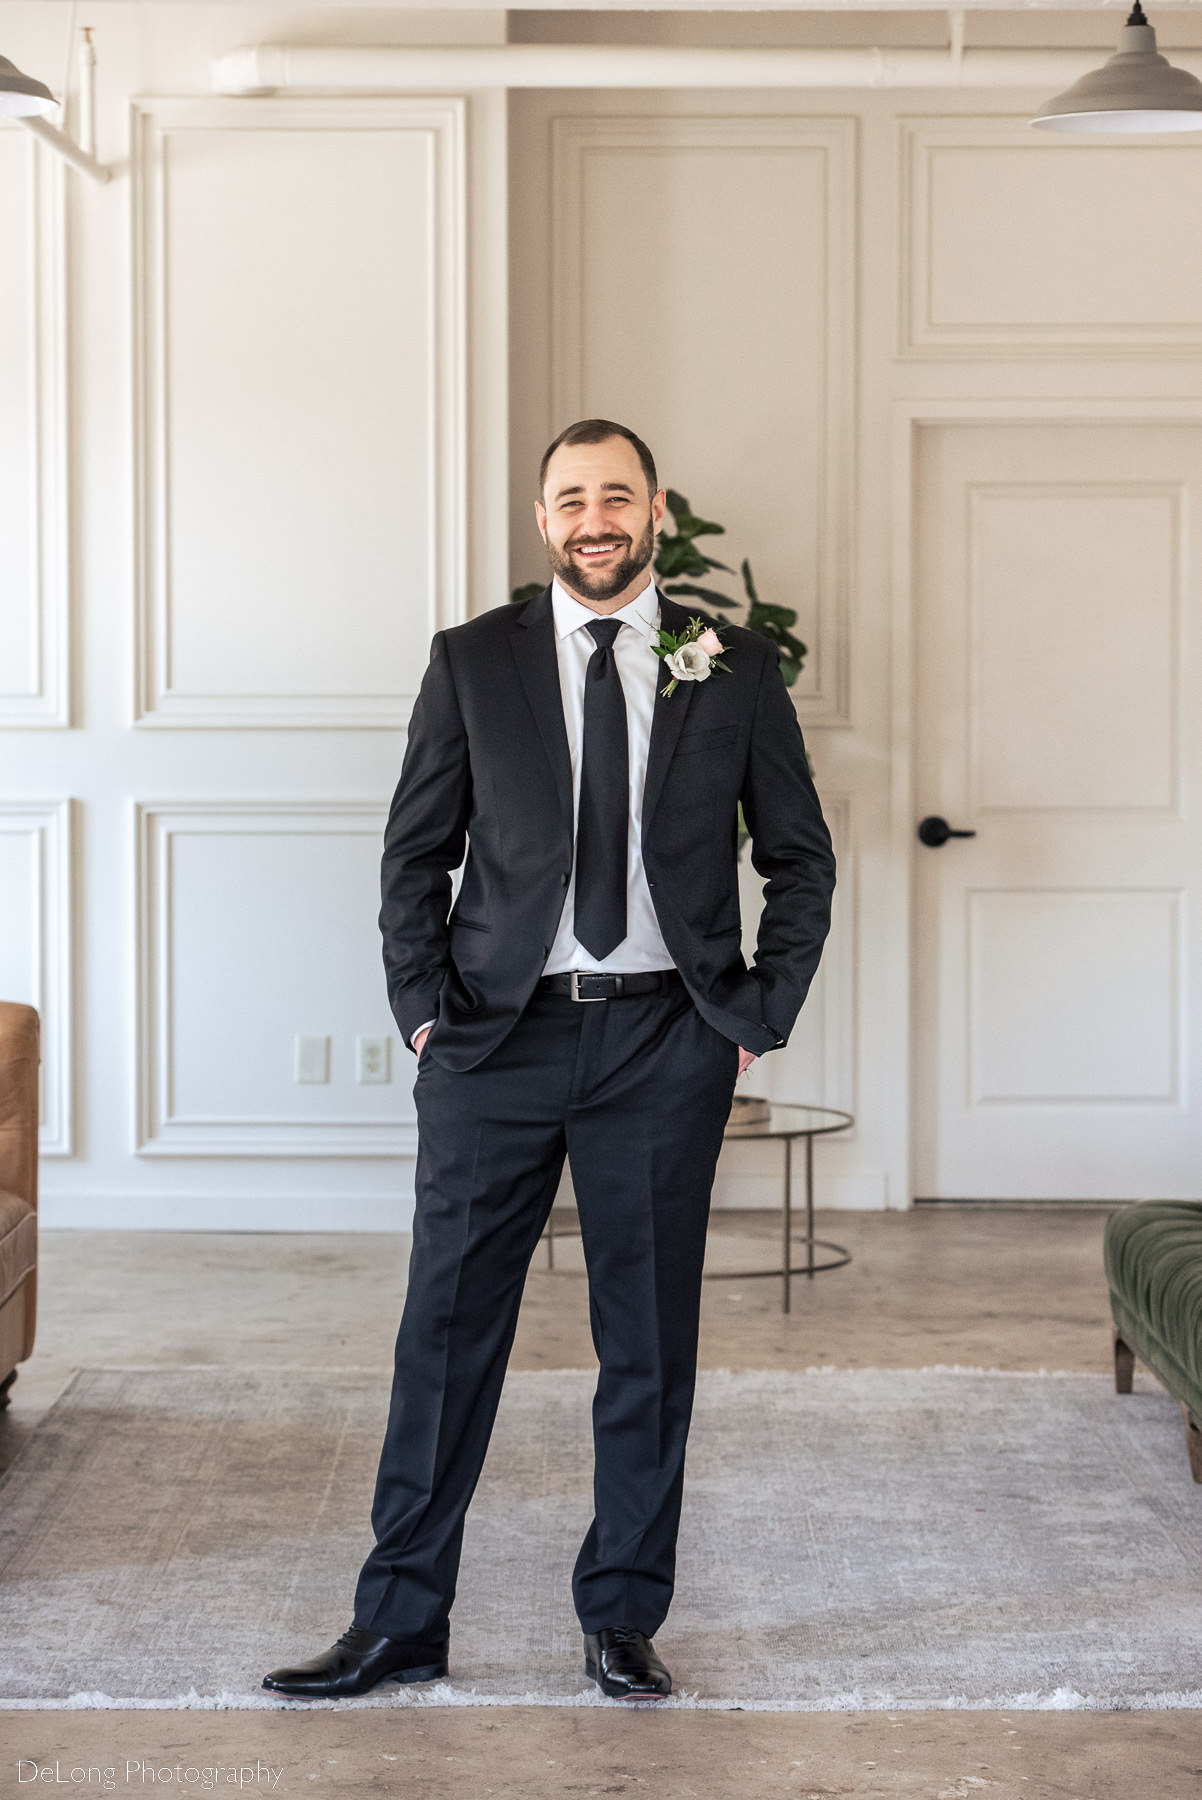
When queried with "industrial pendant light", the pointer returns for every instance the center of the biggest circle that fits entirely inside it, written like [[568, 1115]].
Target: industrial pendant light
[[28, 101], [1137, 90], [21, 97]]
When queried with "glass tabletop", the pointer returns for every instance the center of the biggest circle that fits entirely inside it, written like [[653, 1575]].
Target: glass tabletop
[[791, 1121]]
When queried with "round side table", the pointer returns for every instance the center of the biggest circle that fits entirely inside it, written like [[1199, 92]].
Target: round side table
[[787, 1124]]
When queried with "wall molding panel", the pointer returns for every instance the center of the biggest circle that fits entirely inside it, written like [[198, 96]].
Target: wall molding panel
[[37, 971], [33, 312], [1022, 1052], [168, 1122], [989, 263], [1143, 734], [578, 143], [362, 205]]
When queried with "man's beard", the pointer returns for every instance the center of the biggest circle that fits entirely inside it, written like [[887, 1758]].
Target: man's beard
[[603, 585]]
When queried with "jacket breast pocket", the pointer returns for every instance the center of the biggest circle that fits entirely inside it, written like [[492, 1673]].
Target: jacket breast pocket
[[457, 924], [710, 738]]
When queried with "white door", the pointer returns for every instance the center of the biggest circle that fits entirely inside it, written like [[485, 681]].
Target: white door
[[1057, 717]]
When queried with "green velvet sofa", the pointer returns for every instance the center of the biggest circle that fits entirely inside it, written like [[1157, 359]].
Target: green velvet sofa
[[1153, 1257]]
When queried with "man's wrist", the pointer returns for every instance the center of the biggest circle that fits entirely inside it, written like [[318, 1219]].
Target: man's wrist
[[416, 1034]]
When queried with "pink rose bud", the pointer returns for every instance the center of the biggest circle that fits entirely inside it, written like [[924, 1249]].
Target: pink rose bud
[[710, 642]]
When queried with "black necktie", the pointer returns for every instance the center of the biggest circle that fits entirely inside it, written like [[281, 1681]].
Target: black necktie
[[603, 827]]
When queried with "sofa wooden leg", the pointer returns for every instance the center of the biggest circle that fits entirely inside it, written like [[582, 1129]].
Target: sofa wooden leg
[[1124, 1366], [1193, 1442], [6, 1393]]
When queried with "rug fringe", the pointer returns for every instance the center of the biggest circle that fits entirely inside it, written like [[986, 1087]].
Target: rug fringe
[[443, 1694]]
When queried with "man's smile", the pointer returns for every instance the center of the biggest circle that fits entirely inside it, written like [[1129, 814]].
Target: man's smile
[[597, 549]]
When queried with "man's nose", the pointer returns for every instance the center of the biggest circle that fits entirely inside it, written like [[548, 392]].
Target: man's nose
[[595, 524]]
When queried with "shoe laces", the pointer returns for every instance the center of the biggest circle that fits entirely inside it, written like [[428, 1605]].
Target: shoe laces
[[626, 1634]]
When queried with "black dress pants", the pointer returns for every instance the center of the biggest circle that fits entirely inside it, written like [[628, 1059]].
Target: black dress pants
[[635, 1092]]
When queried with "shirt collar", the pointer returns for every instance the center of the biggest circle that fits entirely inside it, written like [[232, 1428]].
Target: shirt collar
[[641, 613]]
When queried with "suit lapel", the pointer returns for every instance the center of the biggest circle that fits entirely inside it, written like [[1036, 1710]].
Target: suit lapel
[[667, 717], [533, 643]]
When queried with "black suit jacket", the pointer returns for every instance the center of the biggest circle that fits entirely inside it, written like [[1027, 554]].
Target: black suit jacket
[[487, 769]]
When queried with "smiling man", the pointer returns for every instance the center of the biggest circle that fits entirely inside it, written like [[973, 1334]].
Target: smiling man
[[585, 996]]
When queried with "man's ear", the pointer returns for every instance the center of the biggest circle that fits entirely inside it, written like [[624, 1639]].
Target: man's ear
[[540, 519]]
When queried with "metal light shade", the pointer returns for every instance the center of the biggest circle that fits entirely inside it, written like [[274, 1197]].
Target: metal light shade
[[1137, 90], [21, 97]]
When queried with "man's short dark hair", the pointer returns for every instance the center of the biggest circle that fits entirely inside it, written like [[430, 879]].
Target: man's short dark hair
[[597, 431]]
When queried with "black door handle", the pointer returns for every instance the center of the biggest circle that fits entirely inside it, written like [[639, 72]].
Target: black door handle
[[934, 831]]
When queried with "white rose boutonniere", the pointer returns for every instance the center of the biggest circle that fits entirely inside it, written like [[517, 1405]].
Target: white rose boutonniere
[[690, 655]]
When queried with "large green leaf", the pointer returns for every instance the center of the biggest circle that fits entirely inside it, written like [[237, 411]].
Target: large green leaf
[[773, 623], [783, 616], [680, 556], [529, 590], [700, 593], [685, 519]]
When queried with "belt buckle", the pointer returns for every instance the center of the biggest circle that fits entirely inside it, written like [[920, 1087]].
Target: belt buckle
[[574, 989]]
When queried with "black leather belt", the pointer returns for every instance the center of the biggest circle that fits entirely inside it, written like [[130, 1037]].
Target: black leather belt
[[583, 984]]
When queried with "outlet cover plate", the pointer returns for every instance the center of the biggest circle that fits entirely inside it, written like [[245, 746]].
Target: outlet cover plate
[[312, 1059], [373, 1060]]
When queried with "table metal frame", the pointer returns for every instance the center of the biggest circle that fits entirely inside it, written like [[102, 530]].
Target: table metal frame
[[840, 1256]]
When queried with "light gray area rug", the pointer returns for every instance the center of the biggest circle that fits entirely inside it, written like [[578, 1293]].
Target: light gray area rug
[[868, 1539]]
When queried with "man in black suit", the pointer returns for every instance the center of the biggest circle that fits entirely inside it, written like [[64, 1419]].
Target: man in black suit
[[584, 994]]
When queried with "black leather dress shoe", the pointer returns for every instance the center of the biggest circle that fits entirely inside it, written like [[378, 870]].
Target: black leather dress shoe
[[358, 1662], [624, 1665]]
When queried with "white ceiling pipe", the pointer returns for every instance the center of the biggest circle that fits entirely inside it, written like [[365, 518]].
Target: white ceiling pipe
[[286, 68], [86, 58], [67, 148]]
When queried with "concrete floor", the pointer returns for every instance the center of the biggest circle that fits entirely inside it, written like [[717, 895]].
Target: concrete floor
[[1006, 1288]]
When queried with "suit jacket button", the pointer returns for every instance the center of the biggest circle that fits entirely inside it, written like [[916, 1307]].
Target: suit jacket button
[[564, 879]]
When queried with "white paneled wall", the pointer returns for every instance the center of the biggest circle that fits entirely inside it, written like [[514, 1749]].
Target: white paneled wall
[[300, 334], [34, 648], [1007, 248], [769, 202], [286, 396], [249, 914], [256, 444]]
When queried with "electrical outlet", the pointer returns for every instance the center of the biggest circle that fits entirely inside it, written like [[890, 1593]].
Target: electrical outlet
[[373, 1059], [312, 1059]]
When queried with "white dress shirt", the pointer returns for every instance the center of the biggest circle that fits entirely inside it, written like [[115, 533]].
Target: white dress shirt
[[639, 669]]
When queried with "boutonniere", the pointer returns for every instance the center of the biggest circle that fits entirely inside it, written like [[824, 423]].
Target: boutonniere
[[690, 655]]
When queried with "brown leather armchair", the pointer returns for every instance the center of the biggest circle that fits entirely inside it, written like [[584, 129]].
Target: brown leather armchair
[[19, 1054]]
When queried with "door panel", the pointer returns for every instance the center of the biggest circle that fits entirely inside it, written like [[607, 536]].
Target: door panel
[[1055, 595]]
